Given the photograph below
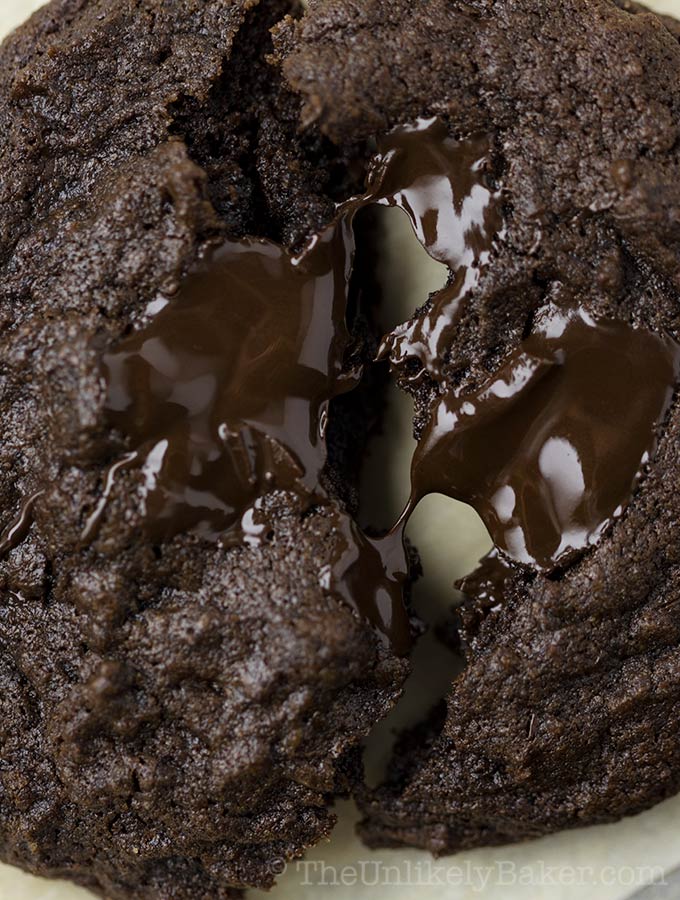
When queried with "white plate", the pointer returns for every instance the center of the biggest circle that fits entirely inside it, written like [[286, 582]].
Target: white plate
[[606, 863]]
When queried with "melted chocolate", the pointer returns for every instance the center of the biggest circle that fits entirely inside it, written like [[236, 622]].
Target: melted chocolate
[[224, 396], [550, 449], [17, 531], [444, 187], [369, 574]]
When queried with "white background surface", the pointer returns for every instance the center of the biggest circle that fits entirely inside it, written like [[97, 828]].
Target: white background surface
[[594, 864]]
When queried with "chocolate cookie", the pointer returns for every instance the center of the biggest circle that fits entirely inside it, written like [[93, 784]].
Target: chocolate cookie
[[194, 632], [185, 676], [544, 377]]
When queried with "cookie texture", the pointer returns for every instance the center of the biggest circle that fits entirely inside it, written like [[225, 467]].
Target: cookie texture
[[174, 718], [177, 716], [568, 711]]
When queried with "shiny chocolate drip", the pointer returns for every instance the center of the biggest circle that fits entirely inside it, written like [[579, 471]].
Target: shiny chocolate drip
[[370, 574], [224, 396], [17, 531], [550, 449], [444, 187]]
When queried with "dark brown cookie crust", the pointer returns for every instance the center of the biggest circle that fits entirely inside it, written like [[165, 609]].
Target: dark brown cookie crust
[[173, 719], [569, 710]]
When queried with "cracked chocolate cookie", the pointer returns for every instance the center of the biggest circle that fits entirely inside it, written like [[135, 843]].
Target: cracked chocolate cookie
[[544, 378], [195, 634], [185, 676]]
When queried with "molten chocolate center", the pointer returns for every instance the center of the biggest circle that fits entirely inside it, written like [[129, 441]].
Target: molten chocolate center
[[225, 395]]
